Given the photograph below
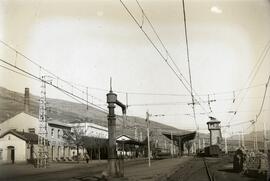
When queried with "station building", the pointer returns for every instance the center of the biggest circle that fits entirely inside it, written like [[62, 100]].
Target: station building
[[19, 139], [19, 136]]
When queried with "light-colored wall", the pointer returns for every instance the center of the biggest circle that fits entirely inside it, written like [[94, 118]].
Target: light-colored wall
[[55, 139], [18, 144], [215, 136], [92, 130], [20, 122]]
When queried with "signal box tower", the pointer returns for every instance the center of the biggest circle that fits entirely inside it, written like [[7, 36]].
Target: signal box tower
[[215, 132]]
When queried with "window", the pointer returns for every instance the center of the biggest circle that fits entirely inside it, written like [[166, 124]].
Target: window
[[58, 133], [52, 132], [1, 154], [32, 130]]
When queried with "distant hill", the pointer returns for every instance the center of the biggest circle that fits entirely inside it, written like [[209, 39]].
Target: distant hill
[[12, 103], [250, 136]]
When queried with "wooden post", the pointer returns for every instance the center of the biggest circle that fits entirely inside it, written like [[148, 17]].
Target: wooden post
[[171, 145], [148, 139], [226, 146], [98, 152]]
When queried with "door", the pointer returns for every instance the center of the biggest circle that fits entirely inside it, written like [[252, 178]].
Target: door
[[11, 154], [52, 153]]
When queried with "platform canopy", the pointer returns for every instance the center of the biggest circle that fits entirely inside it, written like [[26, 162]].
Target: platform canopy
[[125, 139], [180, 137]]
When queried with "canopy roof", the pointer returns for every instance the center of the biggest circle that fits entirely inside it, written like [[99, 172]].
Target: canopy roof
[[182, 137], [125, 139], [213, 120]]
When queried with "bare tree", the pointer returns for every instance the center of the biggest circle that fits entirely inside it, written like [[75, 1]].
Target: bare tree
[[188, 146], [75, 137]]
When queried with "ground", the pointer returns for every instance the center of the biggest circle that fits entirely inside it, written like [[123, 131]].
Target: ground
[[176, 169]]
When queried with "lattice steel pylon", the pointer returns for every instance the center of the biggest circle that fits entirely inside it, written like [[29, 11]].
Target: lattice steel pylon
[[42, 157]]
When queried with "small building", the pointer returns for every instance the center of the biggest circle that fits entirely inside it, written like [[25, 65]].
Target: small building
[[215, 132], [17, 146], [91, 129], [128, 147], [59, 147], [21, 127]]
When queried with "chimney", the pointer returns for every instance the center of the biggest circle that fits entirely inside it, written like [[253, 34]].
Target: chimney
[[26, 100]]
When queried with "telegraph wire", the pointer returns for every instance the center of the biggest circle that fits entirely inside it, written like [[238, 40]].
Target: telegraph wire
[[49, 83], [262, 104], [159, 52], [189, 68], [174, 94], [142, 104], [55, 77], [264, 96], [156, 48], [169, 55], [100, 89], [253, 75], [159, 39], [15, 71]]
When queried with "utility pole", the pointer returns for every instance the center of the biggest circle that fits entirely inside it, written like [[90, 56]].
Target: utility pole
[[255, 143], [203, 143], [87, 98], [113, 165], [135, 133], [256, 136], [148, 138], [243, 139], [171, 144], [42, 156], [239, 138], [265, 138], [226, 146]]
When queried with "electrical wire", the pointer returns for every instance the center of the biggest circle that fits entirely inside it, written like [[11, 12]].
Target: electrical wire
[[54, 76], [159, 52], [253, 74], [70, 94], [189, 67]]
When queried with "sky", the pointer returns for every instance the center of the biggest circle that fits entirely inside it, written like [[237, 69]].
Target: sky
[[87, 42]]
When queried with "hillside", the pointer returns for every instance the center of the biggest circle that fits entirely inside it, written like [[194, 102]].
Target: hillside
[[12, 103], [250, 136]]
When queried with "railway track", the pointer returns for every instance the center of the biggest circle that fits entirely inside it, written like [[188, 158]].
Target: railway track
[[198, 169], [208, 171]]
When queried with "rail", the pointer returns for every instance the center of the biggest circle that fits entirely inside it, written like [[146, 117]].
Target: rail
[[210, 176]]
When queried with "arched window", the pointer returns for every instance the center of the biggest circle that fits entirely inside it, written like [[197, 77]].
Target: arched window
[[58, 133], [1, 154]]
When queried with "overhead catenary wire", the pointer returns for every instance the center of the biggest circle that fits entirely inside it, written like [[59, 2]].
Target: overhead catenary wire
[[74, 86], [184, 95], [171, 58], [179, 74], [253, 74], [262, 103], [185, 103], [70, 94], [38, 78], [57, 78], [189, 67]]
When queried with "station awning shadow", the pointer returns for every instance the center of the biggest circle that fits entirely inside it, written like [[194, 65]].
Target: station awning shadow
[[180, 137], [130, 142]]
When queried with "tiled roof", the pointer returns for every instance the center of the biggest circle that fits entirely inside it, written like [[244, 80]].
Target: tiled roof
[[28, 137]]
